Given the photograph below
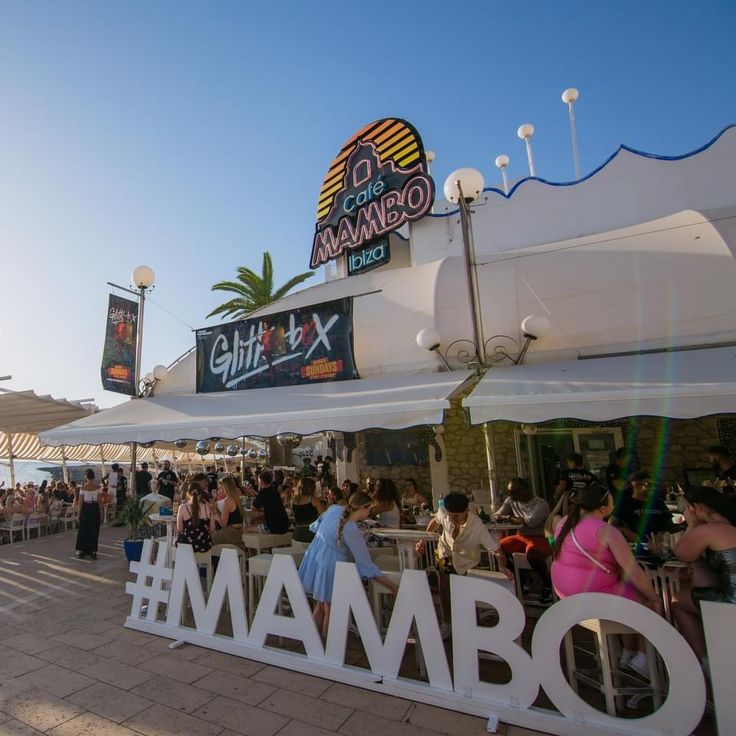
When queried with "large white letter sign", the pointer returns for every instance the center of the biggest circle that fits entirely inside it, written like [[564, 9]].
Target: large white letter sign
[[283, 575], [227, 581], [468, 639], [719, 622], [413, 603], [681, 711]]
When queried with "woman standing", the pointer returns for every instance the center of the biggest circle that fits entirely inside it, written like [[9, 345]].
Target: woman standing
[[89, 516], [337, 539], [306, 508], [711, 533], [195, 521]]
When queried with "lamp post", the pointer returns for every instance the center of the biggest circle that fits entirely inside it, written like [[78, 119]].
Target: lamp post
[[569, 97], [525, 132], [502, 162]]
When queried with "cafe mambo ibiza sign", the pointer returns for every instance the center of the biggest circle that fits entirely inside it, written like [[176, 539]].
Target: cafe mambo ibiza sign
[[305, 345], [378, 182], [159, 604]]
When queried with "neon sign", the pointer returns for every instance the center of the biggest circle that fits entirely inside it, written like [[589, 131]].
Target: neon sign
[[378, 182]]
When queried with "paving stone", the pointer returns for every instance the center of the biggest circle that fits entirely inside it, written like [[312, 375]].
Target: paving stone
[[519, 731], [177, 669], [10, 687], [299, 728], [124, 653], [367, 700], [110, 702], [90, 724], [16, 728], [185, 651], [241, 718], [221, 661], [370, 724], [15, 663], [70, 657], [176, 695], [446, 721], [161, 721], [56, 680], [40, 709], [116, 673], [136, 638], [82, 639], [238, 688], [294, 681], [30, 643], [306, 708]]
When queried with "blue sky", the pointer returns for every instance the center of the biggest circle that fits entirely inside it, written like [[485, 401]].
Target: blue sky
[[192, 136]]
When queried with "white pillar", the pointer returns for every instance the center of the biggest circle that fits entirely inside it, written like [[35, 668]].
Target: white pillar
[[64, 468], [438, 471], [103, 469], [11, 464], [491, 464]]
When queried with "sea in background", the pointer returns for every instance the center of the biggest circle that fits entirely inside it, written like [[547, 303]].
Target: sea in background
[[29, 471]]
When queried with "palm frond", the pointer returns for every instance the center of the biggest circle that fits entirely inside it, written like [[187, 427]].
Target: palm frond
[[282, 291]]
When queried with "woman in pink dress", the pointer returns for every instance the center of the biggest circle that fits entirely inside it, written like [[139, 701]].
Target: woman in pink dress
[[592, 557]]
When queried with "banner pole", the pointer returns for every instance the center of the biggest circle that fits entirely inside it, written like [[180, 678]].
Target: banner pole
[[137, 373]]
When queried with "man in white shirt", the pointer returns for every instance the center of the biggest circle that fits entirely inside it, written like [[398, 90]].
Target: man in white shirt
[[458, 550], [523, 507]]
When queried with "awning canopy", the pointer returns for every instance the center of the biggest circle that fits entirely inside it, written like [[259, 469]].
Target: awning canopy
[[26, 411], [388, 402], [680, 384]]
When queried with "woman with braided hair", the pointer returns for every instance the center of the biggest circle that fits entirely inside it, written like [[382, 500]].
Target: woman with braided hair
[[337, 539]]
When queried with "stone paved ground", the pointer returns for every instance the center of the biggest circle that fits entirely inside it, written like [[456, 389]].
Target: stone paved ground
[[69, 668]]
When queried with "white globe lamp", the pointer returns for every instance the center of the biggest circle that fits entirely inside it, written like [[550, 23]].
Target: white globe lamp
[[160, 372], [535, 326], [143, 277], [471, 182], [428, 338]]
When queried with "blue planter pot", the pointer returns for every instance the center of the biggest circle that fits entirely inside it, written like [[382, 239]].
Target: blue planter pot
[[133, 549]]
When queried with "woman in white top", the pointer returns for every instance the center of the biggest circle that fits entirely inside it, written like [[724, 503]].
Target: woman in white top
[[89, 516]]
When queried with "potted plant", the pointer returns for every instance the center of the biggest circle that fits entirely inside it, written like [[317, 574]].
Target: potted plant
[[133, 515]]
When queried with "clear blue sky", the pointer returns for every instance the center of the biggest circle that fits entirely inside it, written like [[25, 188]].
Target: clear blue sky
[[192, 136]]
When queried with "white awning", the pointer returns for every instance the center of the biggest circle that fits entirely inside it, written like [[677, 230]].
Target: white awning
[[26, 411], [680, 385], [388, 402]]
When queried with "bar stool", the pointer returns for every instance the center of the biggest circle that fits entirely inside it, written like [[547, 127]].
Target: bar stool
[[262, 542], [606, 657], [217, 552]]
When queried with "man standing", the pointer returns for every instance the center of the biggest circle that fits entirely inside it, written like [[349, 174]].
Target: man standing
[[143, 481], [643, 512], [523, 507], [212, 480], [617, 472], [575, 476], [167, 481]]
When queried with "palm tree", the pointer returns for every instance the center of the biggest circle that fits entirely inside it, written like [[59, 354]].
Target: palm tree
[[253, 290]]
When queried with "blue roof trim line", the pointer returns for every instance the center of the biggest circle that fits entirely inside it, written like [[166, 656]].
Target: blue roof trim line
[[622, 147]]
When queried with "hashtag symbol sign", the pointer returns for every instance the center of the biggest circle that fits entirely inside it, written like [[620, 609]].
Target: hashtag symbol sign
[[154, 592]]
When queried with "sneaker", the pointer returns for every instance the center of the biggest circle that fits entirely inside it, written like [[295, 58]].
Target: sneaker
[[445, 631], [546, 598], [640, 665]]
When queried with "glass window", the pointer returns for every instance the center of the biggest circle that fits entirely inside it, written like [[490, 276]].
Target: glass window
[[400, 447]]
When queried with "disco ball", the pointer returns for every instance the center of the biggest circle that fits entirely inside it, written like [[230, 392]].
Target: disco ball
[[203, 447], [219, 447], [289, 439], [232, 450], [252, 454], [262, 454], [181, 444]]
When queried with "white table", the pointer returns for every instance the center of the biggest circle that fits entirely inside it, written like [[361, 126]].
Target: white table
[[503, 528], [170, 521], [406, 540]]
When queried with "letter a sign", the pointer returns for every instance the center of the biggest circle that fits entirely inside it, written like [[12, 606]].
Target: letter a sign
[[378, 182]]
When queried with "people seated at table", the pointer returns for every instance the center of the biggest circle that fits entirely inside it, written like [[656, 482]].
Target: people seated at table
[[574, 476], [385, 509], [195, 520], [710, 535], [230, 516], [306, 508], [642, 511], [412, 496], [592, 556], [462, 537], [724, 469], [521, 506], [337, 539], [273, 518]]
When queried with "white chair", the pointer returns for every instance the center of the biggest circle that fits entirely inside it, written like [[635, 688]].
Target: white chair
[[69, 517], [263, 542], [53, 521], [108, 512], [204, 559], [613, 683], [35, 521], [258, 567], [217, 552], [15, 525]]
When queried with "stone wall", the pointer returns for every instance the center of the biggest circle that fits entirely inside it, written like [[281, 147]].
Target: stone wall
[[397, 473]]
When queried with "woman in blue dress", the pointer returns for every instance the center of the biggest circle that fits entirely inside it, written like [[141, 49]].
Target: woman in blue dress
[[337, 539]]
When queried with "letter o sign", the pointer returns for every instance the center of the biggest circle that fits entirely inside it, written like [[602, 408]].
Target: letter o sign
[[681, 711]]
